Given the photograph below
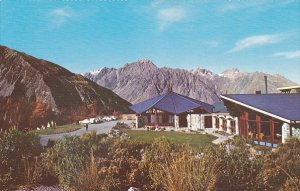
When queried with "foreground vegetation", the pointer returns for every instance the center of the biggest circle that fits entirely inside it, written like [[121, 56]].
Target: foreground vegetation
[[58, 129], [96, 162], [195, 140]]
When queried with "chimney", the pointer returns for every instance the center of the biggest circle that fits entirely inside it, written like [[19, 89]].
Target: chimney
[[266, 84], [170, 89]]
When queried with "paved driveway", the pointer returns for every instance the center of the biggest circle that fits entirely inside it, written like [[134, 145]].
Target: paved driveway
[[99, 128]]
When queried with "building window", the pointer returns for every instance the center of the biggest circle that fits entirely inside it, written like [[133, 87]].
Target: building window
[[160, 117], [171, 119], [152, 118]]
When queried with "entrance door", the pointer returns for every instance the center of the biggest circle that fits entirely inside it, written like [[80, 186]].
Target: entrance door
[[207, 121], [182, 121]]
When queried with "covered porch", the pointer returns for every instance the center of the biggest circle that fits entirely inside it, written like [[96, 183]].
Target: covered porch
[[263, 130], [225, 122], [158, 118]]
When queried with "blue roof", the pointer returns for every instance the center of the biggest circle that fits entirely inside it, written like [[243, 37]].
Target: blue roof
[[286, 106], [171, 102]]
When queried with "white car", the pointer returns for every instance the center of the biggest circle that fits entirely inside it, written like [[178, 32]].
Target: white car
[[98, 120], [85, 121], [113, 118], [107, 118], [93, 120]]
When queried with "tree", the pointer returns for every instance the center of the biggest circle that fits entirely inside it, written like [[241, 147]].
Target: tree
[[42, 114]]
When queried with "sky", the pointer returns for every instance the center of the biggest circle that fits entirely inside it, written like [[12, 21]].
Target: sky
[[83, 35]]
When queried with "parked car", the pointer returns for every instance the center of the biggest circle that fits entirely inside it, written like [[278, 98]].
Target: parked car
[[113, 118], [85, 121], [93, 120], [106, 118], [98, 120]]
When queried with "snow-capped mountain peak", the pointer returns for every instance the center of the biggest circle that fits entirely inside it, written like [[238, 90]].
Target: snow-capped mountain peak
[[96, 72]]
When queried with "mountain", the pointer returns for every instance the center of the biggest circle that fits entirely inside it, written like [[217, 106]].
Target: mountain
[[235, 81], [140, 80], [32, 80]]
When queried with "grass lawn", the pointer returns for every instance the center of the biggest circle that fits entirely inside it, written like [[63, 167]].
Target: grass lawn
[[58, 129], [195, 140]]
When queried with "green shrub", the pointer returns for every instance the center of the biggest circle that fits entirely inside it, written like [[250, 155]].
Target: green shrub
[[114, 165], [98, 143], [121, 164], [67, 156], [94, 162], [179, 168], [281, 164], [18, 156], [120, 125], [90, 179], [239, 170]]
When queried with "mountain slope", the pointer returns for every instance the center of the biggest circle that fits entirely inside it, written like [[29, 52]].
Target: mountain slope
[[31, 79], [140, 80], [235, 81]]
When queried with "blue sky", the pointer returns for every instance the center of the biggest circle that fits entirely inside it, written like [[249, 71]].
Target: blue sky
[[83, 35]]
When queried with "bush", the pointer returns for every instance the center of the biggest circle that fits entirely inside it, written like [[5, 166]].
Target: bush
[[114, 165], [95, 162], [65, 158], [179, 168], [120, 125], [282, 164], [291, 184], [122, 163], [262, 149], [236, 163], [90, 179], [19, 153]]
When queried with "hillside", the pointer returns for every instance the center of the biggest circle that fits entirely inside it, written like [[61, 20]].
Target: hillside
[[30, 80]]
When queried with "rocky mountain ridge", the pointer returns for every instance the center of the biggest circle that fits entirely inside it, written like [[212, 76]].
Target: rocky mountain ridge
[[140, 80], [30, 79]]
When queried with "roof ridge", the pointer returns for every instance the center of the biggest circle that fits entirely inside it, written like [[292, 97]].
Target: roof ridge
[[173, 103], [187, 98], [203, 105], [163, 95]]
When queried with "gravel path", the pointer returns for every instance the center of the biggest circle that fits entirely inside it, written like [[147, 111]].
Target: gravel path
[[220, 139], [99, 128]]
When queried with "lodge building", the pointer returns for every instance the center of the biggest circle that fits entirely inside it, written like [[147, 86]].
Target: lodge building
[[171, 109], [268, 119]]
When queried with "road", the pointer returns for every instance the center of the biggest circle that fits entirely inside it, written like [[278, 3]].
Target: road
[[99, 128]]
